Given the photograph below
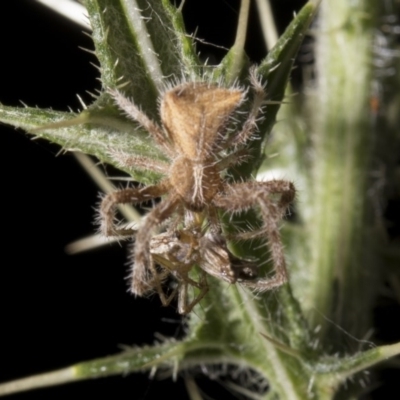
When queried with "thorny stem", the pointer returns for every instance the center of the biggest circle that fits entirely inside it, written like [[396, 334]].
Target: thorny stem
[[343, 153], [340, 273], [360, 362], [282, 379]]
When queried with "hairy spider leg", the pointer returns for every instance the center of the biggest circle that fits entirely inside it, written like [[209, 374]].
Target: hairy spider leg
[[135, 114], [250, 125], [242, 196], [183, 306], [143, 271], [125, 196], [183, 281], [287, 197]]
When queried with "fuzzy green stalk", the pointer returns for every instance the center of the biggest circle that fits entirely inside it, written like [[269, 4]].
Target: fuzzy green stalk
[[341, 288]]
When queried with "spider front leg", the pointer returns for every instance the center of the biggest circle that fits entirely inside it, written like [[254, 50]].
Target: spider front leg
[[143, 271], [243, 196], [125, 196], [134, 112]]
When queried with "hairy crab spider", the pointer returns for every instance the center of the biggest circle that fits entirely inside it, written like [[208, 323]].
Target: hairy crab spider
[[194, 135]]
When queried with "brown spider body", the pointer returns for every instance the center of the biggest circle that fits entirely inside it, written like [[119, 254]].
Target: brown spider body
[[194, 115], [195, 137]]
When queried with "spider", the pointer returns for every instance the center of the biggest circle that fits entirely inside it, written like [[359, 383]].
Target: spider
[[178, 251], [196, 138]]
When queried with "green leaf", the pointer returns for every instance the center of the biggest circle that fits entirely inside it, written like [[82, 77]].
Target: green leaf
[[276, 67], [90, 132]]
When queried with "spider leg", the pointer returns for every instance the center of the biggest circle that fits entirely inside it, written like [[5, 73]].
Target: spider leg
[[134, 113], [183, 282], [143, 271], [157, 282], [125, 196], [183, 306], [251, 122], [156, 279], [235, 158], [242, 196], [214, 222]]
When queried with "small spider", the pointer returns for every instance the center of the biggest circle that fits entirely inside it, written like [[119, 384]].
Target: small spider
[[178, 251], [196, 138]]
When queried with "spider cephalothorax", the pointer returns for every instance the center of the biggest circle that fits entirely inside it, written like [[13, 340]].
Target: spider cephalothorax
[[195, 137]]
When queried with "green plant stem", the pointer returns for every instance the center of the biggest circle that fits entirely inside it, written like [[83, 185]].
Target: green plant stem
[[341, 253], [57, 377]]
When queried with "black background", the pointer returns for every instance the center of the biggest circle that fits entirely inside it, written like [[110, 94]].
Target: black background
[[57, 309]]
